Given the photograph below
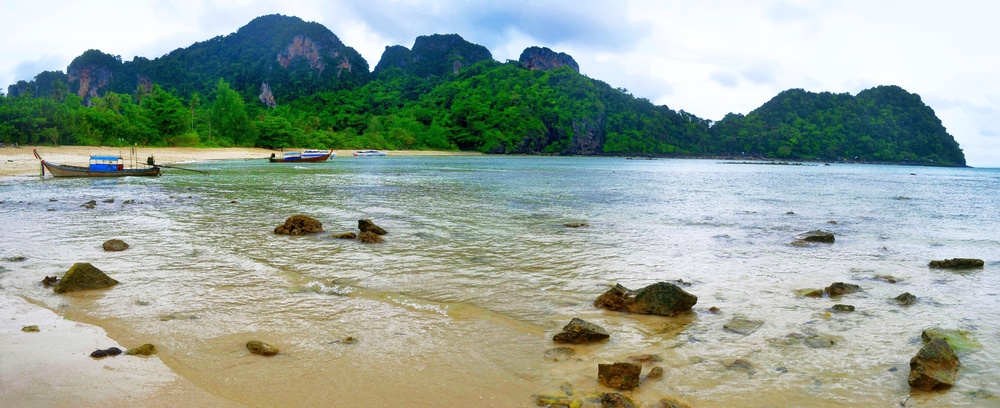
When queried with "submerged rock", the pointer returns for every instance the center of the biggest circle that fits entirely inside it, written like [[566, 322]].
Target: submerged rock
[[143, 350], [841, 288], [261, 348], [561, 353], [30, 329], [366, 225], [579, 331], [906, 299], [843, 308], [959, 340], [743, 326], [299, 225], [661, 298], [114, 245], [671, 403], [50, 280], [957, 263], [934, 367], [654, 374], [346, 235], [369, 237], [83, 276], [576, 224], [816, 236], [623, 376], [616, 400]]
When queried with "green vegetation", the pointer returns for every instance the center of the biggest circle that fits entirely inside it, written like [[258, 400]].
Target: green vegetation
[[232, 91]]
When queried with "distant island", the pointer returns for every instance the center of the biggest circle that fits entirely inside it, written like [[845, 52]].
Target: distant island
[[280, 81]]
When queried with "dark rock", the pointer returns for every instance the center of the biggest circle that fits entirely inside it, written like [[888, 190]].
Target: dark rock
[[957, 263], [743, 326], [50, 280], [261, 348], [616, 400], [366, 225], [346, 235], [579, 331], [575, 224], [671, 403], [934, 367], [110, 200], [30, 329], [369, 237], [143, 350], [654, 374], [113, 351], [299, 225], [623, 376], [906, 299], [115, 245], [816, 236], [89, 204], [99, 354], [843, 308], [660, 298], [542, 58], [841, 288], [714, 310], [83, 276]]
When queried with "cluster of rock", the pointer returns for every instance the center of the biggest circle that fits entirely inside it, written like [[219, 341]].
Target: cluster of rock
[[304, 224], [957, 263]]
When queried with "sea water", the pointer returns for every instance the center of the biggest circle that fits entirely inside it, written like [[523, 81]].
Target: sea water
[[479, 270]]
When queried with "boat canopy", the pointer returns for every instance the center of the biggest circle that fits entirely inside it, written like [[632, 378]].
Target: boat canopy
[[110, 158]]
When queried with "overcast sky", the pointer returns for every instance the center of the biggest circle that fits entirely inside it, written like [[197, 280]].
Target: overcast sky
[[705, 57]]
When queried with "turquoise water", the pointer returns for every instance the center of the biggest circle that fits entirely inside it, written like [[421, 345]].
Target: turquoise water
[[478, 272]]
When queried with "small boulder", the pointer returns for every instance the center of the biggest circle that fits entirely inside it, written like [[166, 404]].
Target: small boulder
[[346, 235], [616, 400], [843, 308], [661, 298], [623, 376], [99, 354], [114, 245], [743, 326], [934, 367], [841, 288], [369, 237], [261, 348], [579, 331], [671, 403], [367, 225], [957, 263], [30, 329], [83, 276], [654, 374], [113, 351], [906, 299], [50, 280], [143, 350], [299, 225], [576, 224], [816, 236]]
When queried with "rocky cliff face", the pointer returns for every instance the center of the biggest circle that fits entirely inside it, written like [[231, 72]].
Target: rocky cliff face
[[438, 54], [546, 59]]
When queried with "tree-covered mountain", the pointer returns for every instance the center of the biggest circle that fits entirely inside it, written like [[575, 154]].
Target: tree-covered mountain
[[280, 81]]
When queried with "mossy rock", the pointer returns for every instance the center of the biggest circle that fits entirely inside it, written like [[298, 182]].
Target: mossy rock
[[83, 276], [143, 350], [30, 329], [367, 225], [957, 263], [299, 225], [346, 235], [261, 348], [813, 293], [369, 237], [115, 245], [959, 340]]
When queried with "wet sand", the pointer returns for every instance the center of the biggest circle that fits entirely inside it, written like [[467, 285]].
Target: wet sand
[[53, 367]]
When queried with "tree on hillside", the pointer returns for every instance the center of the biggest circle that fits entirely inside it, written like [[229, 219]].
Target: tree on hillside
[[230, 123]]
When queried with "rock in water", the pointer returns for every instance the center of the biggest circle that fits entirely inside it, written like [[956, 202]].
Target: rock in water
[[366, 225], [114, 245], [369, 237], [299, 225], [623, 376], [346, 235], [906, 299], [661, 298], [816, 236], [616, 400], [742, 326], [580, 331], [934, 367], [841, 288], [957, 263], [264, 349], [83, 276], [143, 350]]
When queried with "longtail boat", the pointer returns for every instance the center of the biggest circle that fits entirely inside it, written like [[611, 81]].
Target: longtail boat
[[100, 166], [304, 156]]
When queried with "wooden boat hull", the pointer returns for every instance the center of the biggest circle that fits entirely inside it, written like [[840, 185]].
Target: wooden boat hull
[[62, 170]]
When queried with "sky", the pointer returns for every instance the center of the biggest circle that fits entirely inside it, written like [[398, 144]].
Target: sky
[[706, 57]]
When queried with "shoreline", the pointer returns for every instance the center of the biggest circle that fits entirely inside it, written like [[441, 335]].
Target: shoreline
[[19, 161]]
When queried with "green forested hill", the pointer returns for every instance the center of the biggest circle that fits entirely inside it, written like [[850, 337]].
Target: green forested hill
[[280, 81]]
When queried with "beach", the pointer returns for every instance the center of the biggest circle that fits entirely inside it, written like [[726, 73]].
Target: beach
[[52, 367], [19, 161]]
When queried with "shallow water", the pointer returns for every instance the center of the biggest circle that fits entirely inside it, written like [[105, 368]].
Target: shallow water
[[478, 272]]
